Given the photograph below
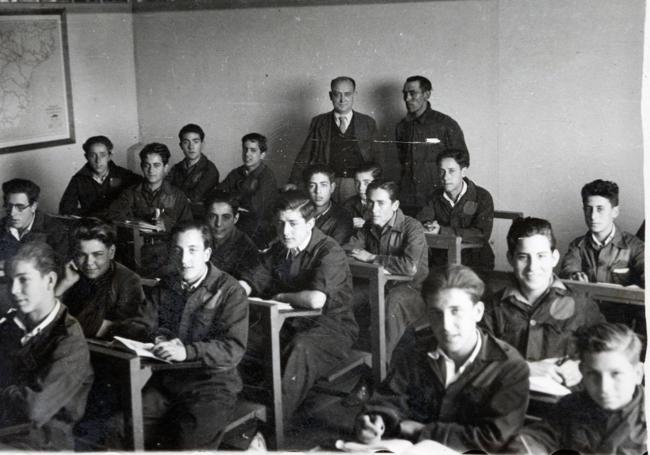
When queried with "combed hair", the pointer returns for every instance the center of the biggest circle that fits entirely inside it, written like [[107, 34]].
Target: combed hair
[[155, 148], [338, 79], [391, 187], [603, 188], [453, 277], [191, 128], [222, 197], [93, 229], [16, 186], [318, 168], [40, 254], [528, 227], [189, 226], [372, 167], [97, 140], [256, 137], [295, 200], [459, 155], [606, 337], [425, 84]]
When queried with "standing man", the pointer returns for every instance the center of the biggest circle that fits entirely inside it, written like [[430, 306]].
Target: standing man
[[341, 138], [420, 136]]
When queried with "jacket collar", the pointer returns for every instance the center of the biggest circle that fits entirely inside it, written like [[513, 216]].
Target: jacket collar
[[511, 291]]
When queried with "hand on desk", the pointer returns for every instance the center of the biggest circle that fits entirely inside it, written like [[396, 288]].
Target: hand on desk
[[563, 372], [172, 350], [431, 226], [369, 429], [410, 429], [362, 255], [358, 222], [579, 276]]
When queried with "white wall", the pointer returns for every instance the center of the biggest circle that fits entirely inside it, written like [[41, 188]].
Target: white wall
[[104, 102]]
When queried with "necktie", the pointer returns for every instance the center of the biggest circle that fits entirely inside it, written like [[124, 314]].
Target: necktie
[[343, 124]]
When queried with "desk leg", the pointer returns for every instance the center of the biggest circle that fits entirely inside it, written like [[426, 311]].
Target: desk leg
[[133, 418], [453, 254], [273, 324], [376, 287], [137, 248]]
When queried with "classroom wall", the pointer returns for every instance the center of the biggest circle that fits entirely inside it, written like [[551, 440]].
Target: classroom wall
[[102, 70]]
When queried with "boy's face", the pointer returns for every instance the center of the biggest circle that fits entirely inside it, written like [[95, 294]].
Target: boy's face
[[20, 212], [153, 168], [453, 318], [320, 189], [98, 158], [599, 214], [533, 261], [610, 378], [252, 156], [192, 145], [293, 228], [32, 293], [361, 182], [381, 207], [451, 175], [192, 254], [221, 220], [93, 258]]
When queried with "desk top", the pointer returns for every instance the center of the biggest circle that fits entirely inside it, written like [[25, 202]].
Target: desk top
[[105, 348]]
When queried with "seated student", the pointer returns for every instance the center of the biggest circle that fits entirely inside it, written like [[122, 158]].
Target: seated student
[[536, 312], [306, 269], [396, 242], [357, 205], [605, 254], [98, 183], [460, 387], [607, 416], [154, 200], [255, 186], [24, 222], [198, 314], [45, 372], [460, 207], [98, 291], [232, 250], [195, 175], [330, 217]]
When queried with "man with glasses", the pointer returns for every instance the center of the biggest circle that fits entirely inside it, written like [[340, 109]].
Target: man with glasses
[[23, 222]]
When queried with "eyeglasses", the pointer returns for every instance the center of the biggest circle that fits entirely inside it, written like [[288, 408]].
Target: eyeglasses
[[20, 207]]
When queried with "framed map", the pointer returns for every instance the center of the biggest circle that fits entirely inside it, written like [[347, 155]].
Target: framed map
[[35, 95]]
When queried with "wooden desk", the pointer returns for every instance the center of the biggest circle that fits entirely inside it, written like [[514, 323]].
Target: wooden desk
[[138, 231], [272, 319], [608, 292], [452, 243], [132, 374], [377, 278]]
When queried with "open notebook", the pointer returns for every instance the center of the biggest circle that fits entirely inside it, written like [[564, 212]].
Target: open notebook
[[141, 349]]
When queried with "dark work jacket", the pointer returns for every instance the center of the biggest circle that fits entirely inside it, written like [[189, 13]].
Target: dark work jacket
[[44, 229], [578, 423], [316, 148], [321, 266], [235, 253], [45, 382], [544, 330], [419, 141], [116, 296], [86, 197], [195, 181], [621, 261], [336, 223], [356, 208], [481, 410], [400, 248], [470, 218]]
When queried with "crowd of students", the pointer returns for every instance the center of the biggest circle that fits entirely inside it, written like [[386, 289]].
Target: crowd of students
[[463, 382]]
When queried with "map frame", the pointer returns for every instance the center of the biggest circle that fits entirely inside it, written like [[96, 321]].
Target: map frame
[[61, 55]]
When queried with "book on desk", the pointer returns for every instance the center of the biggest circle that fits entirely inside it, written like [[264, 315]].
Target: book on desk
[[125, 344]]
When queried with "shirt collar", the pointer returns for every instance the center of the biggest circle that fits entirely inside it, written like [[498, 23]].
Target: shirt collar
[[452, 373], [463, 190], [607, 240], [329, 206], [197, 283], [18, 235], [512, 291], [40, 327]]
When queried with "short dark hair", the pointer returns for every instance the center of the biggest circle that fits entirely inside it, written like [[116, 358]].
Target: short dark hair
[[38, 253], [222, 197], [189, 226], [604, 188], [425, 84], [338, 79], [155, 148], [370, 166], [607, 336], [453, 277], [318, 168], [15, 186], [256, 137], [392, 188], [97, 140], [191, 128], [528, 227], [459, 155], [295, 200], [93, 229]]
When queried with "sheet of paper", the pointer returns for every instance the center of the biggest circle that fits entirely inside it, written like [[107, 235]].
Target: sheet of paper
[[281, 305], [544, 384], [141, 349]]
